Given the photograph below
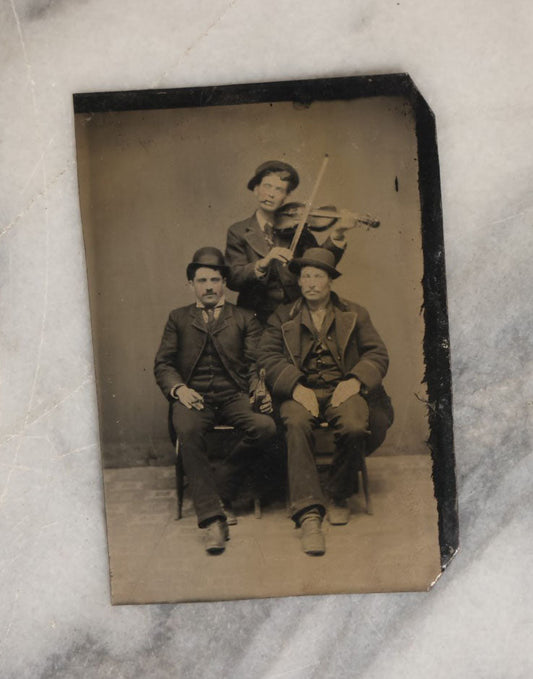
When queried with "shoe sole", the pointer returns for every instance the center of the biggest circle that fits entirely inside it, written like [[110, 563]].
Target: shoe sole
[[338, 523]]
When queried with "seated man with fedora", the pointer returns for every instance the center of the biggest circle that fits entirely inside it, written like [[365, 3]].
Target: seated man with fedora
[[206, 368], [324, 358], [257, 253]]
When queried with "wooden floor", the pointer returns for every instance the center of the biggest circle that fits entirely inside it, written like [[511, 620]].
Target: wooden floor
[[155, 558]]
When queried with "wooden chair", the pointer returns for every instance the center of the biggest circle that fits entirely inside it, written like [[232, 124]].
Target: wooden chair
[[219, 439], [324, 449], [223, 436]]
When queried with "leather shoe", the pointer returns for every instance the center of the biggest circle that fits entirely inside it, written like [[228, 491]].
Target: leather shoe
[[313, 542], [338, 513], [216, 534]]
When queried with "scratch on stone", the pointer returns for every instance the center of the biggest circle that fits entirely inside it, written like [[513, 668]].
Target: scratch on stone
[[36, 166], [196, 42], [9, 625], [78, 450], [25, 53], [10, 473], [293, 670], [56, 405], [507, 219], [40, 194], [20, 467], [21, 436]]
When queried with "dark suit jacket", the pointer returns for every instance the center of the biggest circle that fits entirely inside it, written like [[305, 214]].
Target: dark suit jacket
[[235, 338], [245, 245], [355, 345]]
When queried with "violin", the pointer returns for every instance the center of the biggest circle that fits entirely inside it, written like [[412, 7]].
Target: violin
[[296, 216], [288, 217]]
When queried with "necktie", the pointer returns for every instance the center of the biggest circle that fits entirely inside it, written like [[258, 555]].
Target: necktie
[[269, 234], [210, 318]]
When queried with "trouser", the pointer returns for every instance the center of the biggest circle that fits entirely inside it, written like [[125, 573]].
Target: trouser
[[355, 427], [191, 427]]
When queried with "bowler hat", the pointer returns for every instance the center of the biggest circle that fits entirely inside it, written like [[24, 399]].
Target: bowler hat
[[210, 257], [317, 257], [272, 166]]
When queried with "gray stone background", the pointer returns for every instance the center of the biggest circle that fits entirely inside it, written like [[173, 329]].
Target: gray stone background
[[472, 61]]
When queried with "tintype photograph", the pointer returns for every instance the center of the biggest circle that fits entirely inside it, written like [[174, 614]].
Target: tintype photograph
[[268, 304]]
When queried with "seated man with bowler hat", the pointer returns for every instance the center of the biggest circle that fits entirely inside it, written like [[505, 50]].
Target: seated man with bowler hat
[[205, 366], [257, 253], [324, 359]]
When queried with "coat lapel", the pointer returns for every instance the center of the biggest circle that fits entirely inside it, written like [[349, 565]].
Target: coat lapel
[[298, 338], [224, 319], [256, 238], [291, 337], [344, 325], [197, 320]]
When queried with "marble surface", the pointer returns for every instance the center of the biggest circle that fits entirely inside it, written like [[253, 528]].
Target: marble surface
[[472, 62]]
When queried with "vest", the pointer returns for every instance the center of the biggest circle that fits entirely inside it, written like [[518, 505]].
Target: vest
[[210, 377], [320, 368]]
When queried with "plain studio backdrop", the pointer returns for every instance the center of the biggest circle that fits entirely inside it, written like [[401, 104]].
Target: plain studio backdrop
[[156, 185]]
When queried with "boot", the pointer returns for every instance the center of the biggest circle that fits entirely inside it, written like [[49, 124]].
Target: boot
[[338, 512], [216, 534], [313, 542]]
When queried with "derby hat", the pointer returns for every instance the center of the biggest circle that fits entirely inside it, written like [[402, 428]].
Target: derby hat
[[209, 257], [273, 166], [320, 258]]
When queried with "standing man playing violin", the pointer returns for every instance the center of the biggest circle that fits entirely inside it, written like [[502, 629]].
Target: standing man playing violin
[[257, 252]]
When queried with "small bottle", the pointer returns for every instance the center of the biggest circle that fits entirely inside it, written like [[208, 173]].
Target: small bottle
[[260, 390]]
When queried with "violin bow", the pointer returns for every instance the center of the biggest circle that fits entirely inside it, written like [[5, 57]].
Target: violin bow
[[307, 208]]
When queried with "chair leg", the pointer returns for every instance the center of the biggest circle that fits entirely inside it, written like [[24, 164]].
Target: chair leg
[[366, 490], [179, 480]]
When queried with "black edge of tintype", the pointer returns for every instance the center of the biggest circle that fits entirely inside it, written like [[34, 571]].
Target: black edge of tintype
[[302, 92], [436, 337]]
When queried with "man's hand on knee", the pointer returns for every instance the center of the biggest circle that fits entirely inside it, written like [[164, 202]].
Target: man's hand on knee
[[190, 398], [307, 398], [344, 390]]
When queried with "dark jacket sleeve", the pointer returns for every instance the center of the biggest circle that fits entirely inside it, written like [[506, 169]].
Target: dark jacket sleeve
[[282, 375], [165, 371], [373, 361], [308, 240], [338, 252], [242, 271], [252, 335]]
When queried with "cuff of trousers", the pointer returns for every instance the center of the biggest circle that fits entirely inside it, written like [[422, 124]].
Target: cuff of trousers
[[298, 509]]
